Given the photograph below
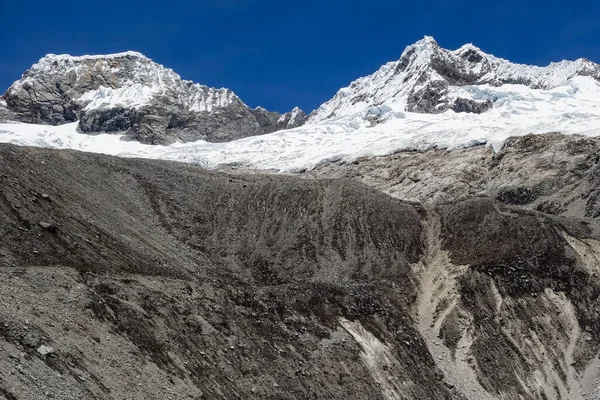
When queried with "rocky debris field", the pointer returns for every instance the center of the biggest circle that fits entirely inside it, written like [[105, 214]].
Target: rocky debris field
[[130, 279]]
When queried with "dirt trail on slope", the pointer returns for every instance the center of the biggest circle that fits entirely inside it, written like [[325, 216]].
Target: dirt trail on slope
[[438, 287]]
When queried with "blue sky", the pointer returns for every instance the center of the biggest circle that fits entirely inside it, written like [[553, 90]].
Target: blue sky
[[278, 54]]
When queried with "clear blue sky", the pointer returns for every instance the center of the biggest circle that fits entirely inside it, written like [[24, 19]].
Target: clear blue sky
[[278, 54]]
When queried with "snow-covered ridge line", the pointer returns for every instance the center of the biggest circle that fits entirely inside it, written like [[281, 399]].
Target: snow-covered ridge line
[[554, 65], [429, 98], [135, 82], [67, 57]]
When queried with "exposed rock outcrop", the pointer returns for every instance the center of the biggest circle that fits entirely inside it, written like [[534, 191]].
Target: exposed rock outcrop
[[5, 113], [471, 106], [552, 173]]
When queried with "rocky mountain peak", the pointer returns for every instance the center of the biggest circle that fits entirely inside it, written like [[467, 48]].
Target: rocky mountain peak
[[418, 55], [430, 79], [129, 93], [62, 64], [91, 72], [427, 44], [471, 53], [127, 79]]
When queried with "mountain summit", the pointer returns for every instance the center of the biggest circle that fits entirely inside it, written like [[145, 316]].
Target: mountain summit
[[430, 79], [128, 92]]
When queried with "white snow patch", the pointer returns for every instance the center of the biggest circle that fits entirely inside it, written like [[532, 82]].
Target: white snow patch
[[129, 96]]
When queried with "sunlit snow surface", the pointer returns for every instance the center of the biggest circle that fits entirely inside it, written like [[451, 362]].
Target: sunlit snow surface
[[573, 107]]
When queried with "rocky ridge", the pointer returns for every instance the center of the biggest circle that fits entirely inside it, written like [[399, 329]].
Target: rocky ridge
[[129, 93]]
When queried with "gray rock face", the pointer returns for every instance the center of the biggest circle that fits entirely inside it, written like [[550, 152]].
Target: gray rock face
[[5, 113], [292, 119], [129, 93], [551, 173], [433, 98], [470, 66], [115, 119], [429, 98]]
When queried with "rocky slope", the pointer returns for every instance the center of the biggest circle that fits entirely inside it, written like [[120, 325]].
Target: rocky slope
[[551, 173], [430, 79], [128, 92], [137, 278]]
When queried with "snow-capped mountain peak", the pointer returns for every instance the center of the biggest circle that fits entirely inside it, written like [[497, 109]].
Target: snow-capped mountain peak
[[127, 79], [128, 92], [430, 79], [427, 44]]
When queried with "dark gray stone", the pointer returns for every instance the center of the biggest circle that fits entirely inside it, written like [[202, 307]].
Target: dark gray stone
[[429, 99], [5, 113], [471, 106]]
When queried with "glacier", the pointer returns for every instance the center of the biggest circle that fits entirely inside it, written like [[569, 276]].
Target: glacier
[[571, 108]]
